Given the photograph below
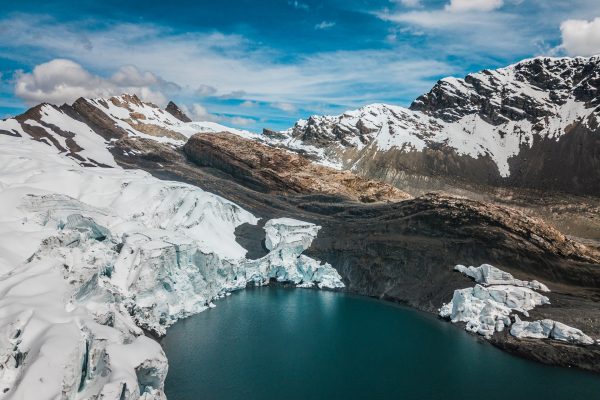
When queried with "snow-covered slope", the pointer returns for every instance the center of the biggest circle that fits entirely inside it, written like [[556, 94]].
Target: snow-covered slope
[[147, 120], [516, 117], [90, 258], [86, 128]]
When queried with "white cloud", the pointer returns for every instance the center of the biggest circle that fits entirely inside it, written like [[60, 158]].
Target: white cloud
[[63, 81], [287, 107], [205, 90], [299, 5], [324, 25], [198, 112], [581, 37], [129, 75], [236, 94], [479, 37], [233, 66], [411, 3], [240, 121], [473, 5]]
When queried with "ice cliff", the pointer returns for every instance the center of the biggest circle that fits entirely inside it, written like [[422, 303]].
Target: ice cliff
[[495, 302], [92, 258]]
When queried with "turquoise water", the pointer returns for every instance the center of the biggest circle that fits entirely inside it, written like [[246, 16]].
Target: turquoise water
[[278, 343]]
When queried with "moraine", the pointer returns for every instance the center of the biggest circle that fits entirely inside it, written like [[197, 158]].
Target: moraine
[[301, 344]]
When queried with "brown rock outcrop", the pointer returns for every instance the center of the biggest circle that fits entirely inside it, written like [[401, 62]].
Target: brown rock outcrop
[[269, 169]]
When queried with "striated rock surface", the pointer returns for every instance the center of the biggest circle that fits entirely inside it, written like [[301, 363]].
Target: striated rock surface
[[269, 169]]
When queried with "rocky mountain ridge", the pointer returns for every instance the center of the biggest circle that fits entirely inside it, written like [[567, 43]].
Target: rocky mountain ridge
[[273, 170], [382, 243], [87, 125], [534, 124]]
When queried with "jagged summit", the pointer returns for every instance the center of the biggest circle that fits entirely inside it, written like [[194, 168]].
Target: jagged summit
[[533, 124], [530, 89], [80, 129], [175, 111]]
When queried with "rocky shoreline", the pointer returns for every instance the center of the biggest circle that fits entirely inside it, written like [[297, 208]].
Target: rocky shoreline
[[405, 251]]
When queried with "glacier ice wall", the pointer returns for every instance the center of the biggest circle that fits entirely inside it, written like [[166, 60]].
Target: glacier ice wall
[[91, 259]]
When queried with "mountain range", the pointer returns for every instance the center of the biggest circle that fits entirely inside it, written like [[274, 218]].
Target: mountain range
[[533, 124], [120, 217]]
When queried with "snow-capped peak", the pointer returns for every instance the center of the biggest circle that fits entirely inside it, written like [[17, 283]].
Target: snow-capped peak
[[491, 114], [83, 130]]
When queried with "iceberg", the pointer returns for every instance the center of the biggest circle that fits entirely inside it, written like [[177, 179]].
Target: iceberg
[[486, 310], [286, 239]]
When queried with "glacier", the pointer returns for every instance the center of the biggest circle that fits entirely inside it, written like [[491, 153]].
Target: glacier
[[495, 302], [94, 260]]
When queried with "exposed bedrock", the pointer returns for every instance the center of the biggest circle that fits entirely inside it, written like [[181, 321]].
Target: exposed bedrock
[[405, 251], [175, 111], [429, 169], [534, 124], [269, 169], [569, 164], [562, 164]]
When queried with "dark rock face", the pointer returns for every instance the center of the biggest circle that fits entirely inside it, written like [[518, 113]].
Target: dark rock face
[[53, 135], [85, 112], [541, 117], [498, 95], [175, 111], [433, 163], [569, 164], [327, 131], [95, 115]]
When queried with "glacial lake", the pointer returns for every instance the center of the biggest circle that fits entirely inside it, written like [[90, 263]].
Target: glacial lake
[[279, 343]]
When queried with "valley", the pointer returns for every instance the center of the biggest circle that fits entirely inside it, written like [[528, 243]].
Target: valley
[[141, 217]]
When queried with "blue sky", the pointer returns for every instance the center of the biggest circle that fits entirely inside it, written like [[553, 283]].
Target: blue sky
[[255, 64]]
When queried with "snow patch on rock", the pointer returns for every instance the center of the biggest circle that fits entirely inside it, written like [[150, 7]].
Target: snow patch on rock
[[453, 114]]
